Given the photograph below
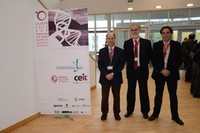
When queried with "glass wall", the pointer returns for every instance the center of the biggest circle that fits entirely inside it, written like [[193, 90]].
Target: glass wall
[[158, 17], [140, 18], [183, 21], [122, 20], [195, 16], [179, 16]]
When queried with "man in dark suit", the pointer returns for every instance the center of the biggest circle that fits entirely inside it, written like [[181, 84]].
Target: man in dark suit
[[166, 60], [187, 47], [137, 53], [111, 62]]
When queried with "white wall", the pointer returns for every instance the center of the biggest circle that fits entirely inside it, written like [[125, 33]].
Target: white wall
[[51, 4], [92, 71], [17, 89]]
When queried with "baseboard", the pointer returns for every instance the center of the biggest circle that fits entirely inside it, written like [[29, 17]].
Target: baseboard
[[93, 87], [21, 123]]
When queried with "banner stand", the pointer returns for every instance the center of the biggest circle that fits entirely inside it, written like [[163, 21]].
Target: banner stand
[[62, 62]]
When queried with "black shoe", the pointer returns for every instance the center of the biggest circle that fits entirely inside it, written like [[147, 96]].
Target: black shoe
[[178, 121], [152, 117], [145, 116], [103, 117], [117, 117], [127, 114]]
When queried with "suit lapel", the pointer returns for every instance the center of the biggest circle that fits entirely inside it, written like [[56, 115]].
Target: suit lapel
[[171, 51], [115, 54]]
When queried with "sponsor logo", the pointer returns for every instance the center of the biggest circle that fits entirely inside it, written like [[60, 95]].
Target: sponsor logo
[[66, 112], [82, 77], [76, 106], [54, 78], [66, 106], [57, 105], [86, 105], [75, 111], [79, 99], [59, 79], [75, 67], [85, 112]]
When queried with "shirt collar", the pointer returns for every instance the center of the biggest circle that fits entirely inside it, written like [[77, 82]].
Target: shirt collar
[[166, 42], [111, 47], [136, 39]]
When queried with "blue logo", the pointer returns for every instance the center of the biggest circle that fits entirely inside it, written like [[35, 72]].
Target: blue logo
[[76, 66]]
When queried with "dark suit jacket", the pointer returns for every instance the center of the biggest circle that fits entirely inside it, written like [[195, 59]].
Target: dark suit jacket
[[118, 62], [145, 56], [174, 60]]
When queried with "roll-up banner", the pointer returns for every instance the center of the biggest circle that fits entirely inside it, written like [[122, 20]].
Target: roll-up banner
[[62, 61]]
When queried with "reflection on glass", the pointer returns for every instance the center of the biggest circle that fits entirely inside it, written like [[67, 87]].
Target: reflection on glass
[[91, 21], [175, 35], [101, 39], [159, 17], [195, 16], [140, 18], [123, 19], [101, 21], [179, 16], [91, 42]]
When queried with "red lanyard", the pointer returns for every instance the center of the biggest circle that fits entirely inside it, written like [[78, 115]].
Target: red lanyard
[[165, 48], [111, 53]]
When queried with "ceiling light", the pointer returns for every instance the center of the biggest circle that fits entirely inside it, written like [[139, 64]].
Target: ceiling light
[[130, 9], [190, 5], [158, 7]]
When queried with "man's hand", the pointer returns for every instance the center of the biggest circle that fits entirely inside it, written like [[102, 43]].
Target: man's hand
[[165, 72], [109, 76]]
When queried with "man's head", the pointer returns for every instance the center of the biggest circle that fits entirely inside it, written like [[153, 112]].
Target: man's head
[[166, 33], [192, 36], [110, 39], [135, 31]]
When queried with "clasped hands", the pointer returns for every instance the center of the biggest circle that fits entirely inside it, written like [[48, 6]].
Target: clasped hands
[[109, 76], [165, 72]]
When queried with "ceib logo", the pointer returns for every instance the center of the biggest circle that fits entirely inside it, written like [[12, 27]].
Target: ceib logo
[[41, 15]]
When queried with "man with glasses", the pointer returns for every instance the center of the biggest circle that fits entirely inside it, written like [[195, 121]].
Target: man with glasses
[[166, 59], [137, 53]]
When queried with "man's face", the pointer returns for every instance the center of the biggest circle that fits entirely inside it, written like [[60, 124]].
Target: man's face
[[110, 40], [134, 30], [166, 35]]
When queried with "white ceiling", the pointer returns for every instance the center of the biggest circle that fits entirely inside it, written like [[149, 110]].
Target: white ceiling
[[116, 6]]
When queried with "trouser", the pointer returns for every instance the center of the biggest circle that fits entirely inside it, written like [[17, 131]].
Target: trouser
[[172, 89], [143, 92], [105, 96]]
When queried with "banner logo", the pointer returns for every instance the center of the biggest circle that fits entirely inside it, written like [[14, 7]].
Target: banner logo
[[76, 66], [59, 79], [41, 15], [82, 77]]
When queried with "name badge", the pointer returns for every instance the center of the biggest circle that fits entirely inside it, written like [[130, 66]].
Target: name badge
[[135, 59], [109, 67]]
